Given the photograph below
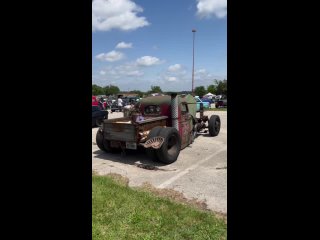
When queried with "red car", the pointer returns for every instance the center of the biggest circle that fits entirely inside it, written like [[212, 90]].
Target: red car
[[95, 102]]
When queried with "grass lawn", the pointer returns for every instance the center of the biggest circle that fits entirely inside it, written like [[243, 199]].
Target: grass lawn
[[120, 212], [216, 109]]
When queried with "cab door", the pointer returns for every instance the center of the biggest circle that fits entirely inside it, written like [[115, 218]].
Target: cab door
[[185, 123]]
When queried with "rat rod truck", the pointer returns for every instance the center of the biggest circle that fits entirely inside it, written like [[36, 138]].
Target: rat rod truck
[[163, 125]]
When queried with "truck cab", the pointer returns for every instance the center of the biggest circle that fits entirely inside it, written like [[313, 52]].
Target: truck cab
[[161, 106]]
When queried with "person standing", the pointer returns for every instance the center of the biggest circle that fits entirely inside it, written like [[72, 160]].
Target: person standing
[[120, 104], [101, 104]]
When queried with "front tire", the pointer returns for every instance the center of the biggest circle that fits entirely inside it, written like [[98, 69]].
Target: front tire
[[214, 125], [170, 149]]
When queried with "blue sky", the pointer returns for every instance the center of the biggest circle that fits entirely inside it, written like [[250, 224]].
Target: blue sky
[[139, 43]]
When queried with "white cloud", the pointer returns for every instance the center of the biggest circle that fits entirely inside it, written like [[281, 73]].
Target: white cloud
[[102, 72], [110, 56], [121, 71], [202, 70], [171, 79], [135, 73], [204, 77], [207, 8], [116, 14], [174, 68], [124, 45], [148, 61]]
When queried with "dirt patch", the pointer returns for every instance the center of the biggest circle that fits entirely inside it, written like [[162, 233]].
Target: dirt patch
[[124, 181], [174, 195], [180, 198]]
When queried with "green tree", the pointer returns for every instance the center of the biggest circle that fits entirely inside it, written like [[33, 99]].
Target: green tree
[[212, 89], [97, 90], [221, 87], [200, 91], [111, 90], [140, 94], [156, 89]]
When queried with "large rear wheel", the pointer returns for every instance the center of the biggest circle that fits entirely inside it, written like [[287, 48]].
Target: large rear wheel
[[102, 143], [150, 151], [99, 122], [170, 149], [99, 140], [107, 147]]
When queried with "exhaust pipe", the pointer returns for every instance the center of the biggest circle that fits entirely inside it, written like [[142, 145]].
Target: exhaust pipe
[[174, 111]]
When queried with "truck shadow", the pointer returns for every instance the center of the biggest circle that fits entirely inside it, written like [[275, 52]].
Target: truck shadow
[[131, 157]]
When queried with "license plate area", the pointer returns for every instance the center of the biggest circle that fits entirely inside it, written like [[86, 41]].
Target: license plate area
[[131, 145]]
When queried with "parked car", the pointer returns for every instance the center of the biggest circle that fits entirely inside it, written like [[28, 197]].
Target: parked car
[[95, 101], [205, 104], [209, 100], [114, 107], [221, 103], [130, 99], [98, 116]]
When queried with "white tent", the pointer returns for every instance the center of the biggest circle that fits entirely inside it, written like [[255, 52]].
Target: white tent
[[209, 95]]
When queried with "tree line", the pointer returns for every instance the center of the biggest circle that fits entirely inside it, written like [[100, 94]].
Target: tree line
[[218, 87]]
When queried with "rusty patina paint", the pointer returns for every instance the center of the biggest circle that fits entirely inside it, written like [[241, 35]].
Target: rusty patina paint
[[123, 129], [165, 104], [185, 123]]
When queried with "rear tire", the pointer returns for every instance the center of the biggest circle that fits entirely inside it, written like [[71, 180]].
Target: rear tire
[[150, 151], [170, 149], [103, 144], [99, 122], [106, 145], [214, 125], [99, 140]]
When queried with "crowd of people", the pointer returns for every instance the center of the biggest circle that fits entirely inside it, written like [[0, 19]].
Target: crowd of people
[[119, 103]]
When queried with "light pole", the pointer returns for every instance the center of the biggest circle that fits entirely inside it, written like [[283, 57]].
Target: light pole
[[193, 30]]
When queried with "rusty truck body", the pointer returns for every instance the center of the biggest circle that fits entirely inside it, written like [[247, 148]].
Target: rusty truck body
[[163, 125]]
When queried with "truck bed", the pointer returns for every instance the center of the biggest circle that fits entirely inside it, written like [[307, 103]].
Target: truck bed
[[122, 129]]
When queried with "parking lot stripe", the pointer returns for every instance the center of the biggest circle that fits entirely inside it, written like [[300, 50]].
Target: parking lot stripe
[[192, 167]]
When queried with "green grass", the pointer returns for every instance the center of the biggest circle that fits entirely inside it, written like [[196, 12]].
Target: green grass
[[120, 212], [216, 109]]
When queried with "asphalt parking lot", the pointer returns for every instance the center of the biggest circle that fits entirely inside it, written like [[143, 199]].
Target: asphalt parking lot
[[200, 171]]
